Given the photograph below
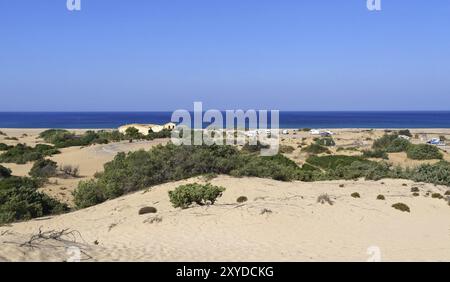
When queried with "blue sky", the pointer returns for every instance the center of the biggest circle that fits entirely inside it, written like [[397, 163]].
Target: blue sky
[[144, 55]]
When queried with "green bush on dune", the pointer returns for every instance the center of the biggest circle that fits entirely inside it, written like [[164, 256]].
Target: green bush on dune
[[22, 153], [62, 138], [4, 172], [391, 144], [315, 149], [4, 147], [43, 168], [20, 200], [375, 154], [423, 152], [185, 195], [325, 141]]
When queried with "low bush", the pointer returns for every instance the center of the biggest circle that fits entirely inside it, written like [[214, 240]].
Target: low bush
[[88, 194], [22, 153], [146, 210], [4, 172], [20, 200], [416, 194], [415, 189], [375, 154], [401, 206], [332, 162], [431, 173], [423, 152], [70, 170], [4, 147], [241, 199], [391, 144], [315, 149], [355, 195], [437, 196], [325, 141], [43, 169], [185, 195], [381, 197]]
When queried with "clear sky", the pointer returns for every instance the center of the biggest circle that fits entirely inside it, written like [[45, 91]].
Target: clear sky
[[146, 55]]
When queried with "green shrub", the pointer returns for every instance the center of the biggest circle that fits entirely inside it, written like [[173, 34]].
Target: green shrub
[[4, 172], [88, 194], [146, 210], [241, 199], [375, 154], [183, 196], [20, 200], [325, 141], [332, 162], [355, 195], [381, 197], [401, 206], [21, 153], [391, 144], [447, 193], [423, 152], [415, 189], [437, 196], [315, 149], [4, 147], [43, 169], [415, 194], [132, 132]]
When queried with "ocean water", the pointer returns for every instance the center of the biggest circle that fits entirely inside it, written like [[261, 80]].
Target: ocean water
[[289, 119]]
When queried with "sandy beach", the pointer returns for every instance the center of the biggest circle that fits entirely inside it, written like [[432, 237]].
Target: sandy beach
[[281, 221]]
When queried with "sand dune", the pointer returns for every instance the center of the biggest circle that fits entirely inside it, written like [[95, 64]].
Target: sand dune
[[295, 228]]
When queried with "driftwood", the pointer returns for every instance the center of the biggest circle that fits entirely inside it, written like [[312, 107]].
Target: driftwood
[[43, 239]]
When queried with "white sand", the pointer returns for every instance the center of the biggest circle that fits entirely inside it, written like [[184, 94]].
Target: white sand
[[297, 229]]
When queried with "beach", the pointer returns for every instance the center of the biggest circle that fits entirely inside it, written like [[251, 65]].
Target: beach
[[280, 221]]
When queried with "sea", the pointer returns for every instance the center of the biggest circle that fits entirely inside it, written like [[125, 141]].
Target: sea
[[288, 119]]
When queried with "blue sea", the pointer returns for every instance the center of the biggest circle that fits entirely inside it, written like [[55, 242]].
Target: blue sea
[[288, 119]]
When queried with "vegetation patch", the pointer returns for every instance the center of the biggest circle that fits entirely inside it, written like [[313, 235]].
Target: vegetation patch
[[325, 141], [401, 207], [4, 172], [22, 153], [241, 199], [391, 143], [355, 195], [43, 169], [423, 152], [380, 154], [185, 195], [20, 200], [381, 197], [437, 196], [315, 149], [146, 210]]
